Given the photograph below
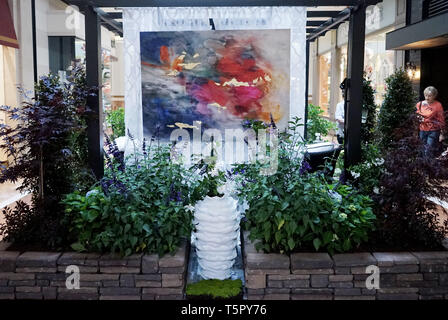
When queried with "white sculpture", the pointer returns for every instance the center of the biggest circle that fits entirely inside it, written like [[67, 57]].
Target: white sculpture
[[217, 222]]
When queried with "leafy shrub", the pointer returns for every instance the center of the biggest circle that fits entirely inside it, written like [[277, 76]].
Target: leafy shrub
[[367, 174], [48, 148], [369, 107], [254, 124], [398, 105], [211, 180], [215, 288], [316, 124], [115, 119], [20, 220], [293, 210], [406, 218], [141, 207]]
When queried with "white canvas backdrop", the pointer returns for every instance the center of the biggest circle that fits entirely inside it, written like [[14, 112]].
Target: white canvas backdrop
[[136, 20]]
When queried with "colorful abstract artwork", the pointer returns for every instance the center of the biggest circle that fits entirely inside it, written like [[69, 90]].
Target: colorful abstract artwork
[[218, 78]]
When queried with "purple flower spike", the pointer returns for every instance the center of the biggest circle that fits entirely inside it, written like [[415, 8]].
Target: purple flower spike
[[305, 167]]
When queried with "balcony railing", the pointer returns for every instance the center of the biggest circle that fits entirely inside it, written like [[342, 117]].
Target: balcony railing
[[433, 8]]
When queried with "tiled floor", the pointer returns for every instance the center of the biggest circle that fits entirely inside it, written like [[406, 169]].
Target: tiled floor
[[9, 195]]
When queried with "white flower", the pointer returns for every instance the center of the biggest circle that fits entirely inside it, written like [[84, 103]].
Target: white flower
[[221, 189], [335, 195], [214, 172], [355, 174], [379, 161], [189, 208], [92, 192], [220, 165], [343, 215], [376, 190]]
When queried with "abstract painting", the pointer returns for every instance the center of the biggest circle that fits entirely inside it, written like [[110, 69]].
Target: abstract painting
[[218, 78]]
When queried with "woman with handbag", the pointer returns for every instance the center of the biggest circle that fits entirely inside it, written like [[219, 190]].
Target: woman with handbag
[[433, 120]]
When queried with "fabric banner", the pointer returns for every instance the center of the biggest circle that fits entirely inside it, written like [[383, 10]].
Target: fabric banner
[[140, 21], [7, 32]]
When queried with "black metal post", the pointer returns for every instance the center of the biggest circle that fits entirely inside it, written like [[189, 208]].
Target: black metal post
[[93, 74], [307, 66], [353, 99], [212, 24]]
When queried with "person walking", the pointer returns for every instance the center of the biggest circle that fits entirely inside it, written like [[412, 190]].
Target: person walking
[[432, 120], [340, 115]]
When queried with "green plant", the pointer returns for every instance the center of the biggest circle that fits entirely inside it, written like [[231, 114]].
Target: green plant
[[215, 288], [48, 148], [398, 105], [115, 119], [293, 210], [211, 181], [211, 178], [309, 213], [317, 125], [254, 124], [367, 174], [145, 206], [368, 107]]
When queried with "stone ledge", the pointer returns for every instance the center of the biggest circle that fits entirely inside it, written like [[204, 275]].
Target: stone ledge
[[8, 261], [81, 259], [37, 259], [354, 259], [389, 259], [4, 245], [311, 261], [41, 275], [314, 276], [267, 261]]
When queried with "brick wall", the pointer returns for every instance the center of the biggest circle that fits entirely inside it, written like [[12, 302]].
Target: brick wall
[[41, 275], [318, 276]]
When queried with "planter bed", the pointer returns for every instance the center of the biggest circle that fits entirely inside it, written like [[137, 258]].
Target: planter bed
[[319, 276], [41, 275]]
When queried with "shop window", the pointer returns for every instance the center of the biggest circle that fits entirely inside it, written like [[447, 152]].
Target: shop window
[[378, 63], [342, 68], [324, 82], [61, 54]]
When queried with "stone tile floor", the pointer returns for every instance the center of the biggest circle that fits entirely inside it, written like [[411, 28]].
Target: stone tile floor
[[9, 195]]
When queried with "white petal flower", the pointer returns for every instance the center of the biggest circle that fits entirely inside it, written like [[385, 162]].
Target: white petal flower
[[355, 174], [221, 189], [220, 165], [92, 192], [379, 161], [376, 190], [214, 172]]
